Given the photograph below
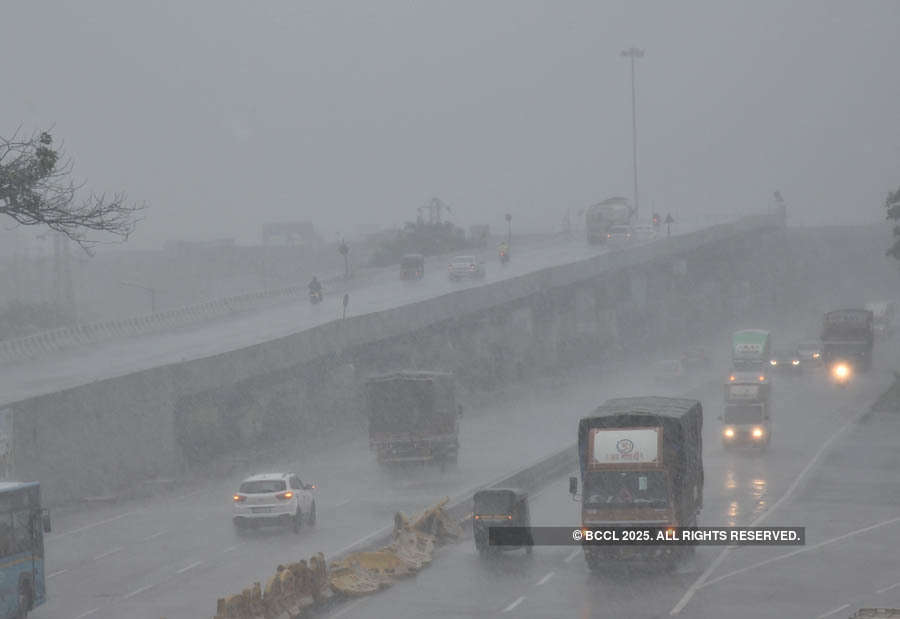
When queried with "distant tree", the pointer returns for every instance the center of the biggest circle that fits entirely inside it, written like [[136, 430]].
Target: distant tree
[[892, 205], [36, 189]]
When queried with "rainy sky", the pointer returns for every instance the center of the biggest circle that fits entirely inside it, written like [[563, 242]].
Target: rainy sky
[[224, 114]]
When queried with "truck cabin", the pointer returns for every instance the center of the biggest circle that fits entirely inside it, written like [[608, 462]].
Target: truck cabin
[[751, 350]]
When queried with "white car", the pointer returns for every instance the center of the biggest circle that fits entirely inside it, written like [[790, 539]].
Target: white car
[[274, 498], [470, 267], [644, 233]]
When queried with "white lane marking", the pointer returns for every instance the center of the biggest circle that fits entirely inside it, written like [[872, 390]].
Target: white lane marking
[[230, 548], [342, 503], [722, 555], [893, 586], [91, 526], [56, 573], [346, 609], [574, 554], [787, 555], [514, 604], [545, 579], [87, 614], [109, 552], [157, 534], [188, 567], [833, 611], [136, 592]]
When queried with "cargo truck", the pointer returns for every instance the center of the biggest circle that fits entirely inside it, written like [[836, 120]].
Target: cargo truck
[[413, 417], [599, 218], [848, 337], [641, 464], [747, 415], [751, 350]]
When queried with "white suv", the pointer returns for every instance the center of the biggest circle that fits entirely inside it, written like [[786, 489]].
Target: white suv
[[274, 498]]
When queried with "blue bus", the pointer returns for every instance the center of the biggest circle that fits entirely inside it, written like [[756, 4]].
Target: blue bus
[[22, 526]]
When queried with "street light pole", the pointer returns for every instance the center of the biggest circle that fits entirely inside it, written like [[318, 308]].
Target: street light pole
[[633, 53]]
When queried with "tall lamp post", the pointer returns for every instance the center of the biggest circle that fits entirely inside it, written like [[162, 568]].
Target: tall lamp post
[[508, 228], [633, 53]]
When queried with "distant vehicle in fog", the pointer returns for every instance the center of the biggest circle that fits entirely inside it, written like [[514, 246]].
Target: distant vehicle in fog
[[751, 350], [599, 217], [785, 361], [644, 233], [273, 499], [883, 315], [810, 354], [618, 235], [23, 523], [747, 415], [466, 267], [412, 266], [848, 336]]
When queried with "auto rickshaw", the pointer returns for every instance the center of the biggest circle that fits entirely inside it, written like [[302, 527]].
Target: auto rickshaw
[[500, 507], [412, 266]]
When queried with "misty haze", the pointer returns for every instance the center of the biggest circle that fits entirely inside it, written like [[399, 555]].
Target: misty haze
[[449, 309]]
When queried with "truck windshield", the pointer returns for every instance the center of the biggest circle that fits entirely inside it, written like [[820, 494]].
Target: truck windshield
[[743, 413], [626, 489]]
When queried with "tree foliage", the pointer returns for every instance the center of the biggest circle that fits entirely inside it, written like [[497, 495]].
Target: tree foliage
[[892, 205], [37, 189]]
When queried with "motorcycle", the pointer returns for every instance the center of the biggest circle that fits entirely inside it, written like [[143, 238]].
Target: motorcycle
[[315, 296]]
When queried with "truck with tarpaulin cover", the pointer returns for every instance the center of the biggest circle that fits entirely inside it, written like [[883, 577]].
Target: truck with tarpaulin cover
[[413, 417], [883, 314], [598, 218], [747, 413], [848, 336], [751, 350], [641, 464]]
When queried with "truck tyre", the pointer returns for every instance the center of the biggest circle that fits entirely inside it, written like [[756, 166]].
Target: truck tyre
[[311, 521], [25, 599]]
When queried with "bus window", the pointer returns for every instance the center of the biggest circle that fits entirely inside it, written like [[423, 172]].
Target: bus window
[[23, 537]]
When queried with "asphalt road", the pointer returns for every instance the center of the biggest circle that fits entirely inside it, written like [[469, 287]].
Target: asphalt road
[[173, 557], [837, 490]]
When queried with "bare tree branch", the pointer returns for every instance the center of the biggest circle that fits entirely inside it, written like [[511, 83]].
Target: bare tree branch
[[36, 189]]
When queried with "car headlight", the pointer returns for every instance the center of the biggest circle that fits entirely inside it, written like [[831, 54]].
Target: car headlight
[[841, 371], [728, 432], [774, 362], [757, 432], [795, 362], [816, 355]]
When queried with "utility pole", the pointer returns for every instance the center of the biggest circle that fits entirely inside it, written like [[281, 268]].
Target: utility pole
[[632, 54], [148, 289]]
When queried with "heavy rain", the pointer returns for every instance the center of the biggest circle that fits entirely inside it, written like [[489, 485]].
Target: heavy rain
[[386, 309]]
